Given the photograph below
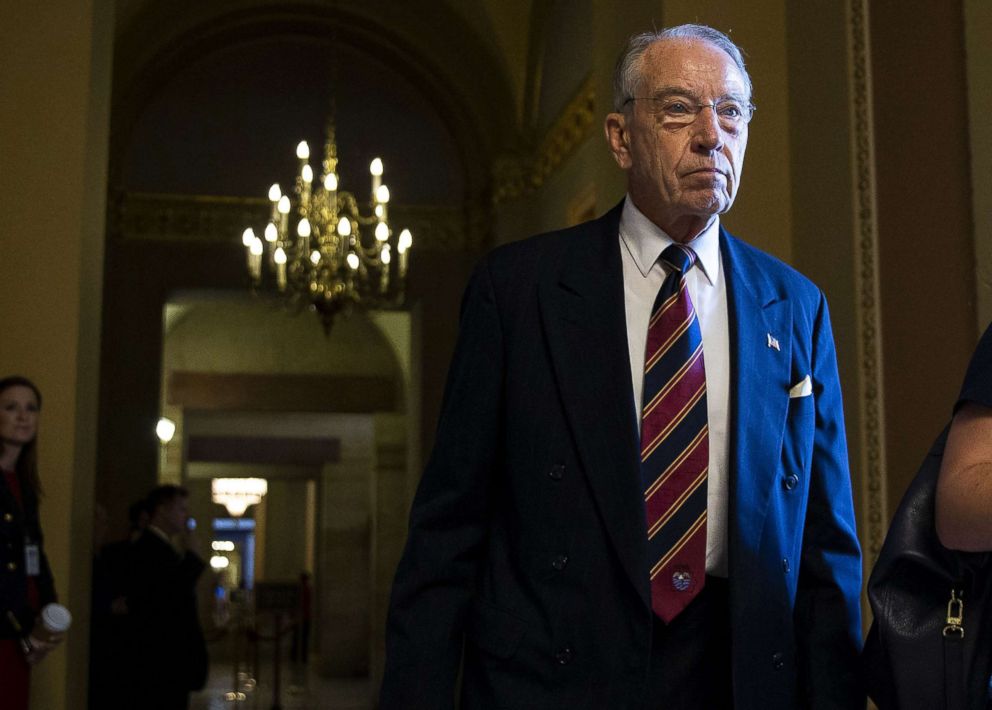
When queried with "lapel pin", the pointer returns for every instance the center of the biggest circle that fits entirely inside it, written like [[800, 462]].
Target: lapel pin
[[772, 343]]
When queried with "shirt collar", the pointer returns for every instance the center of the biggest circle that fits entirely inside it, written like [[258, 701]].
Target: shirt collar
[[646, 241], [160, 532]]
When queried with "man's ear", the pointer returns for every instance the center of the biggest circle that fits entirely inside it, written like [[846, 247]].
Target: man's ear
[[618, 138]]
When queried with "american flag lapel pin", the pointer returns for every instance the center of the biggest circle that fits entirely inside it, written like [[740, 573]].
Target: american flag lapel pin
[[773, 343]]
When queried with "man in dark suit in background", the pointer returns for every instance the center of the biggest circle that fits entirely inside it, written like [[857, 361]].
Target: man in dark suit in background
[[639, 495], [109, 635], [167, 648]]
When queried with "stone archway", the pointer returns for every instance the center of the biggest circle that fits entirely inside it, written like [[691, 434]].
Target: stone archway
[[152, 252]]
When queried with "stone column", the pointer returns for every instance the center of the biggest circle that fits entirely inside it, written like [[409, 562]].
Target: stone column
[[343, 582], [55, 75], [978, 55], [389, 528]]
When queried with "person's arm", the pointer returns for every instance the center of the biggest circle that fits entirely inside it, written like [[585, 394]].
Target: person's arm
[[449, 520], [828, 596], [192, 564], [964, 488], [159, 581], [46, 582], [41, 647]]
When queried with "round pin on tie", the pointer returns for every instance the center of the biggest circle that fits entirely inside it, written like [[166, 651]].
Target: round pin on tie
[[681, 580]]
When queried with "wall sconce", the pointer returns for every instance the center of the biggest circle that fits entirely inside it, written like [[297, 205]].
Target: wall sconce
[[165, 429]]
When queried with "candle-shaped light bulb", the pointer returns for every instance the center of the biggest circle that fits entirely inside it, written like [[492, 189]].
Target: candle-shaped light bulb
[[375, 167], [282, 208], [384, 254], [275, 194], [279, 257], [315, 257], [353, 260], [382, 194], [303, 228], [248, 237], [307, 174], [403, 244], [302, 150], [379, 211], [382, 231], [255, 258], [344, 227], [330, 182], [271, 233]]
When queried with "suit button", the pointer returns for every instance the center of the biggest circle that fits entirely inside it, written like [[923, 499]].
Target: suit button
[[8, 518], [559, 562], [778, 661], [11, 566], [564, 656], [790, 481], [557, 472]]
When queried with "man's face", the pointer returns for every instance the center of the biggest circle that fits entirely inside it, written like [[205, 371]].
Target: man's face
[[174, 515], [681, 174]]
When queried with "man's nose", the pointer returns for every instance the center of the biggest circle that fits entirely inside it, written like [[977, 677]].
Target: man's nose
[[707, 133]]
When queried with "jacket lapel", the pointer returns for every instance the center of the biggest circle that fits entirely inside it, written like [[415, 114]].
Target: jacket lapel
[[9, 504], [759, 391], [584, 318]]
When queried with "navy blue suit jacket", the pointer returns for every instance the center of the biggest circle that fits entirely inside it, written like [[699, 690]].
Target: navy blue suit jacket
[[527, 553]]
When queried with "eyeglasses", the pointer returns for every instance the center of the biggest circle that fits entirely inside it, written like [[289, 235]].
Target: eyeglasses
[[731, 113]]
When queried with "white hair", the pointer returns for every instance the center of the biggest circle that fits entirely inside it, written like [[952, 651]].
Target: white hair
[[627, 74]]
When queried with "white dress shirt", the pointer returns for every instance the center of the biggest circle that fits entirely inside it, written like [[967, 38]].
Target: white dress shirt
[[641, 245]]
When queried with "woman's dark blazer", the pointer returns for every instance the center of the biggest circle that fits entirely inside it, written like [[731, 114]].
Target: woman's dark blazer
[[17, 527]]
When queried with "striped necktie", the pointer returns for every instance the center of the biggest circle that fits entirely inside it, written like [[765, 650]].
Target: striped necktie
[[675, 442]]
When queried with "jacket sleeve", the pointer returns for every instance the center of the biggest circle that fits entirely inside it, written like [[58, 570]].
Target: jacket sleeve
[[13, 595], [46, 581], [828, 597], [447, 537]]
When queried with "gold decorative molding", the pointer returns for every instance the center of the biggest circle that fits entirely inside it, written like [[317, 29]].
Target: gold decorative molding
[[582, 207], [214, 219], [874, 494], [186, 218], [443, 228], [519, 175]]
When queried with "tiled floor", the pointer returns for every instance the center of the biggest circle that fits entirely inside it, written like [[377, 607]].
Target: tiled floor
[[302, 689]]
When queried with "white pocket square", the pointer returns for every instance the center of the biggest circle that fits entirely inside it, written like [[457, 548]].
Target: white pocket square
[[803, 388]]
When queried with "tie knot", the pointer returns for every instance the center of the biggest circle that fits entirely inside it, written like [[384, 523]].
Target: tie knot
[[679, 257]]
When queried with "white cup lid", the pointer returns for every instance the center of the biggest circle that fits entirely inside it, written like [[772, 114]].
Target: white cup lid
[[56, 618]]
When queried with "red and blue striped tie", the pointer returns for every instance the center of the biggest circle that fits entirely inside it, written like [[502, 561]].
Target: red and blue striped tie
[[675, 442]]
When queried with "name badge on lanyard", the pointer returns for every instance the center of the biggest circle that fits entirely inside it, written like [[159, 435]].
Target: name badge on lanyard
[[32, 559]]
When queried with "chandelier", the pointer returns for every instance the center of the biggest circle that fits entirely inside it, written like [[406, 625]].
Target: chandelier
[[236, 494], [336, 258]]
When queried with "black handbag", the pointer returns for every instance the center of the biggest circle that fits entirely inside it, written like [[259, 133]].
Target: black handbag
[[929, 644]]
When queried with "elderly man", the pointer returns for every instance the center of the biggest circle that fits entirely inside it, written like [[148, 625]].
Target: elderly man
[[639, 495]]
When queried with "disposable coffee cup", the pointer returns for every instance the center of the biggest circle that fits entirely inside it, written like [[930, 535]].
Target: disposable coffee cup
[[55, 621]]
